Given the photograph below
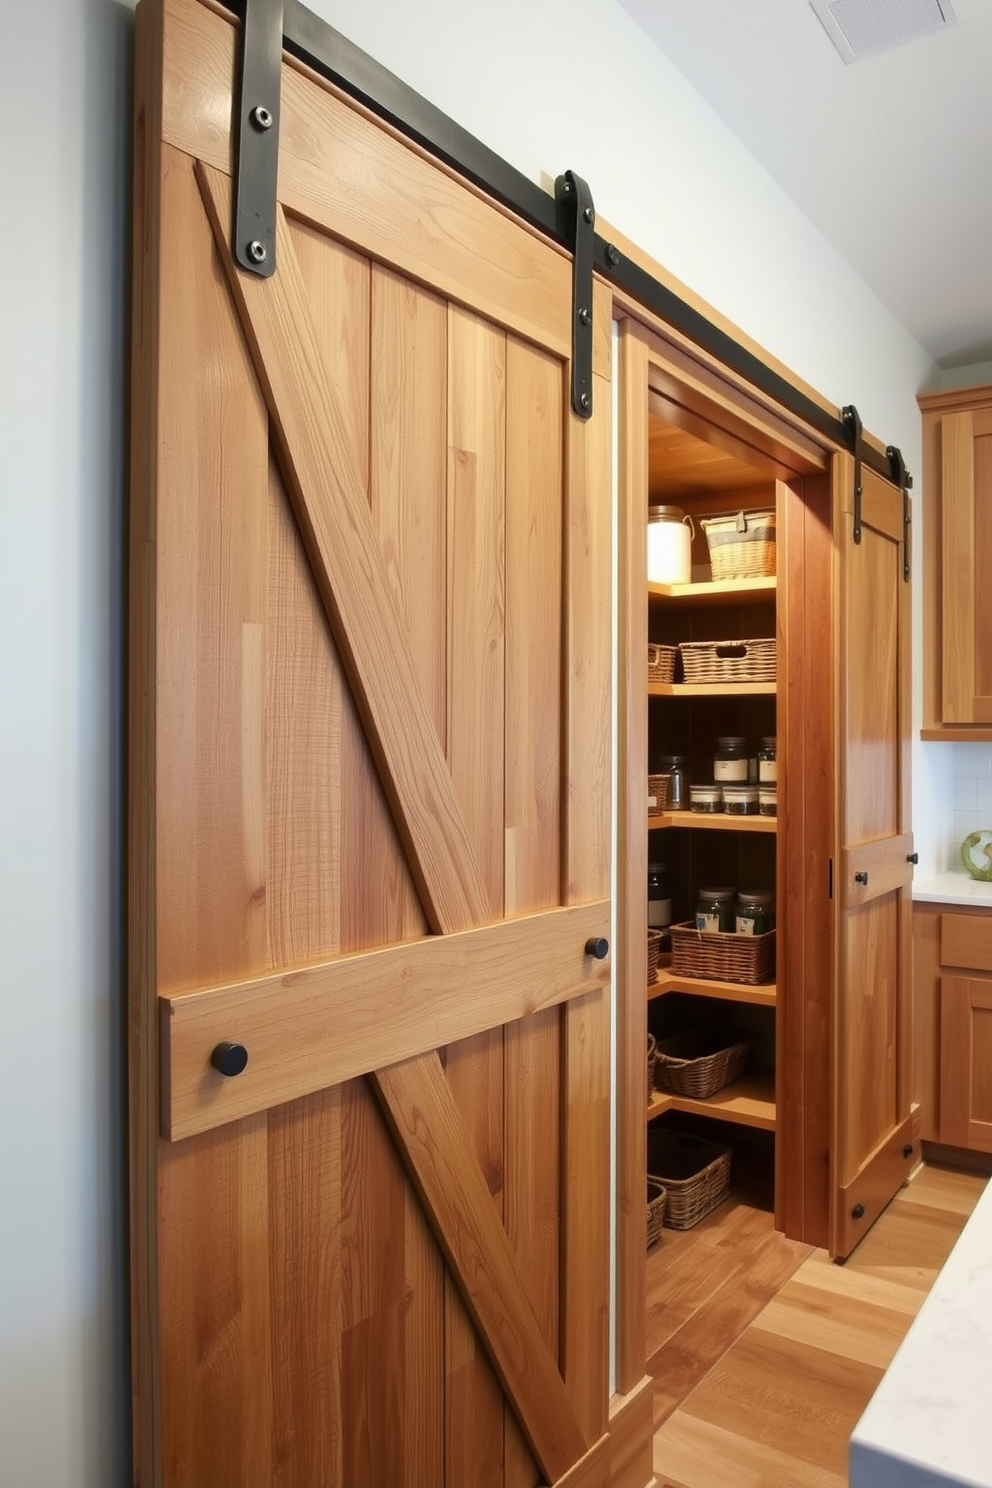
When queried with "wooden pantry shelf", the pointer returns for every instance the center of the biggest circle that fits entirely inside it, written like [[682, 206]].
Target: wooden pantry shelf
[[717, 592], [711, 689], [763, 995], [717, 822], [749, 1101]]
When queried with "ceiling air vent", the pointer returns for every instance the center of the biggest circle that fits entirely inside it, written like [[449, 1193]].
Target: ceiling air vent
[[860, 28]]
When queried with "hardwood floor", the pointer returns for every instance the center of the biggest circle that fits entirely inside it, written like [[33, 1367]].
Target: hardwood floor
[[777, 1408]]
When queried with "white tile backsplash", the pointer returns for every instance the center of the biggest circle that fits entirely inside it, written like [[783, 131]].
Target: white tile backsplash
[[971, 798], [965, 792], [972, 759]]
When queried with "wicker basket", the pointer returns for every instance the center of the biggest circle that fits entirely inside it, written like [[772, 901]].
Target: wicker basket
[[701, 1061], [652, 1056], [694, 1173], [729, 661], [722, 956], [654, 952], [661, 662], [656, 1210], [658, 789], [742, 544]]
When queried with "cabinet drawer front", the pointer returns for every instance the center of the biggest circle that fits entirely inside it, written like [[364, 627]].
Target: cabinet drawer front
[[966, 940]]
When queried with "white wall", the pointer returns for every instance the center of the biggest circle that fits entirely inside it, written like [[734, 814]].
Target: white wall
[[551, 84]]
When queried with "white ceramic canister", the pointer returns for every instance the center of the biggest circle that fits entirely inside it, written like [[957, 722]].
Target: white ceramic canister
[[670, 534]]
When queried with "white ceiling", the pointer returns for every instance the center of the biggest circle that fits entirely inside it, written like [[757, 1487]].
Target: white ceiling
[[888, 156]]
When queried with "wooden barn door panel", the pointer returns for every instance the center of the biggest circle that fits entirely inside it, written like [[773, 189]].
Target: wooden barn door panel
[[370, 818], [875, 1135]]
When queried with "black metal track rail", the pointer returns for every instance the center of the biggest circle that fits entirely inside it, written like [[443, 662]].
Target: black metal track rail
[[317, 44]]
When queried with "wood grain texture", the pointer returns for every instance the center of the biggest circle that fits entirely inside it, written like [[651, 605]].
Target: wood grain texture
[[780, 1404], [400, 208], [966, 1061], [332, 509], [142, 1029], [957, 484], [630, 1437], [630, 953], [309, 1027], [585, 1308], [926, 1017], [966, 940], [872, 1054], [417, 1100]]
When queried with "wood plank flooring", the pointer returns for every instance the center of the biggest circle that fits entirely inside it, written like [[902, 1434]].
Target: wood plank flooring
[[777, 1408]]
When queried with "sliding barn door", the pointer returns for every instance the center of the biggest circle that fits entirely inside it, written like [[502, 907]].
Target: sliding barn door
[[370, 829], [874, 1130]]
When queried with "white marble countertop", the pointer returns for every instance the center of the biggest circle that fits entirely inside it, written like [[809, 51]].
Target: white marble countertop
[[953, 888], [929, 1423]]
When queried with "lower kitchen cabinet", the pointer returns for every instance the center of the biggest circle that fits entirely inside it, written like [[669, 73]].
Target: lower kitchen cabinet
[[952, 986]]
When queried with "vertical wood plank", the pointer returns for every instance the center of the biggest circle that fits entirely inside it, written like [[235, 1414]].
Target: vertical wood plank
[[217, 1407], [212, 555], [473, 1395], [142, 1011], [408, 375], [957, 475], [211, 544], [534, 455], [304, 1153], [476, 435], [630, 954], [587, 845]]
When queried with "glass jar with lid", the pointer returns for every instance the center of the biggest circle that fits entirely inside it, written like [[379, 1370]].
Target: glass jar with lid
[[673, 765], [715, 911], [740, 800], [767, 762], [659, 897], [755, 911], [730, 760]]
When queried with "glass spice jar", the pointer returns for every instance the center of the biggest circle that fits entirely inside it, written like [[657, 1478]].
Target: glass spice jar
[[740, 800], [706, 798], [767, 762], [715, 911], [767, 800], [730, 760], [755, 911], [673, 765], [659, 897]]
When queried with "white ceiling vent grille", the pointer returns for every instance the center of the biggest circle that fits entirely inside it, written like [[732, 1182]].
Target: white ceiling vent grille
[[860, 28]]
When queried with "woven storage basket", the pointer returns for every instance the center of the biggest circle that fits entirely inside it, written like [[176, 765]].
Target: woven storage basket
[[654, 951], [661, 662], [695, 1175], [729, 661], [652, 1056], [656, 1210], [700, 1061], [658, 788], [722, 957], [742, 544]]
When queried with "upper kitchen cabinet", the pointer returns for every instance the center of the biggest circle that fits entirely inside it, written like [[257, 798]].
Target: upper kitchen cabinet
[[957, 559]]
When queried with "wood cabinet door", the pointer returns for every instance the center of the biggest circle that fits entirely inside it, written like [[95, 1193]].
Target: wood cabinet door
[[966, 1062], [966, 561], [370, 816], [873, 1129], [966, 548]]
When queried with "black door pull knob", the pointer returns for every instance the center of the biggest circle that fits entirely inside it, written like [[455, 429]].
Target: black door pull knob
[[858, 1212], [861, 878], [598, 946], [230, 1059], [907, 1151], [912, 857]]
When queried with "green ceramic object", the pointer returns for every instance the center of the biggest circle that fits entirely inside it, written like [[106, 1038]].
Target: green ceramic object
[[976, 855]]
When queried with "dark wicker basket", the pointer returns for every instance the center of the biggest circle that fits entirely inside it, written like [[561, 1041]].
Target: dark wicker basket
[[654, 953], [652, 1055], [700, 1061], [722, 956], [656, 1210], [694, 1173]]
